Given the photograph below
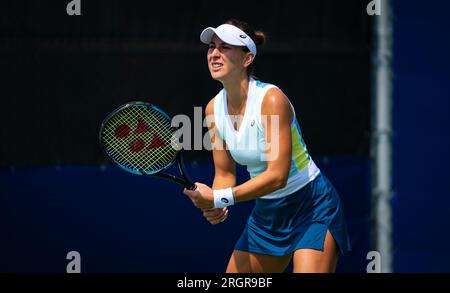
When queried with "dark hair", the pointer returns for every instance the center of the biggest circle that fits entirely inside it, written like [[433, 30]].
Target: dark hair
[[258, 37]]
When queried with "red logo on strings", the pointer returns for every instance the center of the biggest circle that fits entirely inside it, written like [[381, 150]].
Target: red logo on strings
[[138, 144]]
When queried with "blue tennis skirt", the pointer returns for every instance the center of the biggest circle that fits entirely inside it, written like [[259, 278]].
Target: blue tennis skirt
[[300, 220]]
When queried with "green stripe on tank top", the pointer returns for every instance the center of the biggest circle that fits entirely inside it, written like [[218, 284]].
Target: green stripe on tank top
[[299, 154]]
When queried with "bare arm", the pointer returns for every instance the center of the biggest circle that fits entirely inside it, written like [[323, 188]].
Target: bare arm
[[275, 104], [224, 165], [224, 168]]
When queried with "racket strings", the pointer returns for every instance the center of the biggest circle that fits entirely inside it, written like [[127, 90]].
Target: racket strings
[[120, 145], [138, 159], [129, 138], [158, 128], [168, 151]]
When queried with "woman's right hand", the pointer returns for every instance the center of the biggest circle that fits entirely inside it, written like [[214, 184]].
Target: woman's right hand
[[215, 216]]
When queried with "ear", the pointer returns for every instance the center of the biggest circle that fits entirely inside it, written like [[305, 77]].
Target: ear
[[249, 57]]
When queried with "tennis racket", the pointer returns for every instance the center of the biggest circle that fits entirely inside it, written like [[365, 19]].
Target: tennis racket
[[138, 137]]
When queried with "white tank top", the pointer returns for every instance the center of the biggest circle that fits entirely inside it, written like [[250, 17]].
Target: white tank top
[[247, 145]]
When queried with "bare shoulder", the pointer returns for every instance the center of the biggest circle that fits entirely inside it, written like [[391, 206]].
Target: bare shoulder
[[209, 110], [275, 102], [209, 113]]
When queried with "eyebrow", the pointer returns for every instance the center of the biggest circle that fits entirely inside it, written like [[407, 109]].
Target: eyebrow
[[221, 43]]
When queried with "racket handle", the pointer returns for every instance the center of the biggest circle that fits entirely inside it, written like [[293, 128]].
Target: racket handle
[[191, 186]]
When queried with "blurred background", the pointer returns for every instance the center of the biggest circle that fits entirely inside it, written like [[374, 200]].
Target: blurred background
[[61, 75]]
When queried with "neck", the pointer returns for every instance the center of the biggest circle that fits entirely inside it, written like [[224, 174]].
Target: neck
[[237, 90]]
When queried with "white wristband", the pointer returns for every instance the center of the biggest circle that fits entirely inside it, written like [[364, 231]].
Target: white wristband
[[223, 197]]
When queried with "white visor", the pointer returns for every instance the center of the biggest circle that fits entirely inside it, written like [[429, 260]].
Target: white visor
[[229, 34]]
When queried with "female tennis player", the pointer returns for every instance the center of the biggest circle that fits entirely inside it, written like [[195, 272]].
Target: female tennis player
[[298, 213]]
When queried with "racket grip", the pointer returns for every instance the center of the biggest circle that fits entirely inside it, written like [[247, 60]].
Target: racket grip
[[192, 186]]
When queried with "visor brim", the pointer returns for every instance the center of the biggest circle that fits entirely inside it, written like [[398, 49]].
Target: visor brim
[[208, 33]]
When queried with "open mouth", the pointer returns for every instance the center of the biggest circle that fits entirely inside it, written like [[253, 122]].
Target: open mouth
[[216, 65]]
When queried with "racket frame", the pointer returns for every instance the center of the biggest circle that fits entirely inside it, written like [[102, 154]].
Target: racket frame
[[187, 182]]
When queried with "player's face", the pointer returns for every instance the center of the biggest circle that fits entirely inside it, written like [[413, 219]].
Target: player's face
[[225, 60]]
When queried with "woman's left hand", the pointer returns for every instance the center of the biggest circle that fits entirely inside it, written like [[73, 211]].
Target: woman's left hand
[[202, 197]]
